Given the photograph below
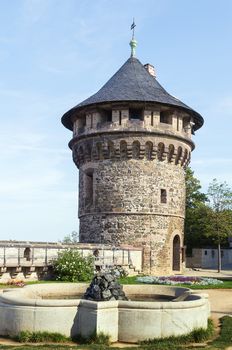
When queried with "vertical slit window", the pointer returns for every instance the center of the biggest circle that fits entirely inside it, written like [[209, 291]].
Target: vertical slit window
[[163, 196], [120, 117]]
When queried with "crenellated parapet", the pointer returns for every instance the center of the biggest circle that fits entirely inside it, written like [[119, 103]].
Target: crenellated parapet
[[132, 147]]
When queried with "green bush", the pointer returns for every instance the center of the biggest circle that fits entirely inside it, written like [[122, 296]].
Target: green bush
[[71, 266], [39, 337]]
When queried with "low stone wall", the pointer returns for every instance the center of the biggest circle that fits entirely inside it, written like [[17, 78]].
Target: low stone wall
[[31, 260], [126, 321]]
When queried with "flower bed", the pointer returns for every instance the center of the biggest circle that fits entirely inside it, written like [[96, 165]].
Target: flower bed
[[173, 280]]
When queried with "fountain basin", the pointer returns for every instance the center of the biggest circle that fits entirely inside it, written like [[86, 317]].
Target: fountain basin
[[126, 321]]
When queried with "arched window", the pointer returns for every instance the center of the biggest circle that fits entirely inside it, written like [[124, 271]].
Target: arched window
[[176, 251], [148, 150], [27, 254], [136, 150], [179, 154], [184, 157], [88, 187], [160, 151], [99, 150], [111, 150], [171, 150], [123, 149]]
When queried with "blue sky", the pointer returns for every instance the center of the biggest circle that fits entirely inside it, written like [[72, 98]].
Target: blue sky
[[56, 53]]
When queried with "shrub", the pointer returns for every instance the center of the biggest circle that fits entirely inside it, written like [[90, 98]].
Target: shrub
[[70, 266]]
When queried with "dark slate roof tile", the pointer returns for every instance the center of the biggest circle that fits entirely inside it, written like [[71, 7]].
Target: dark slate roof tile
[[132, 82]]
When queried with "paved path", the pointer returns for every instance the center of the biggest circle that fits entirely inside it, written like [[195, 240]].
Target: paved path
[[208, 273], [220, 301]]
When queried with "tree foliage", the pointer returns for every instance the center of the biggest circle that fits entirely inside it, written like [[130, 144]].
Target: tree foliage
[[194, 197], [196, 212], [71, 266], [208, 216], [72, 238]]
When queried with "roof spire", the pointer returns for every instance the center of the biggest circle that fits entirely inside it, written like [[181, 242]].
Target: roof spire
[[133, 42]]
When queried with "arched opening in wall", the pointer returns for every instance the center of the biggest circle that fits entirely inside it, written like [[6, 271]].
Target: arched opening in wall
[[88, 188], [148, 150], [179, 154], [27, 254], [184, 157], [111, 150], [99, 150], [123, 149], [176, 253], [135, 150], [160, 151], [171, 150]]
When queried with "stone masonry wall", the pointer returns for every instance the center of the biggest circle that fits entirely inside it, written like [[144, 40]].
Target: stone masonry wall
[[126, 206]]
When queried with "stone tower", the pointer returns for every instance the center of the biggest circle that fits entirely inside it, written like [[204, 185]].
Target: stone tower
[[131, 143]]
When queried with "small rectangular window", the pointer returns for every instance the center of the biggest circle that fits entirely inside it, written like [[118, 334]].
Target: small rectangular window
[[163, 196], [206, 252], [120, 117], [165, 118], [136, 114], [88, 185], [152, 118]]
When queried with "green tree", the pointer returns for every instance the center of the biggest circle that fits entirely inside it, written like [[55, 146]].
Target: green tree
[[71, 266], [72, 238], [196, 212], [220, 219], [193, 195]]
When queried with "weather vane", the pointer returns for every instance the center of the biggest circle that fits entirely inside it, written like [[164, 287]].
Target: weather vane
[[133, 28], [133, 42]]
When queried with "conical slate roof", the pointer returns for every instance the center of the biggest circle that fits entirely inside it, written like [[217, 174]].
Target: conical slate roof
[[132, 82]]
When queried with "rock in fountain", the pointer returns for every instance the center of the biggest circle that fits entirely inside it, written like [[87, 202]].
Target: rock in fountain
[[104, 287]]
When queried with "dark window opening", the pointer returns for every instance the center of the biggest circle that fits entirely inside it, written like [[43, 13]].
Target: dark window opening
[[27, 254], [206, 252], [109, 116], [163, 196], [135, 150], [136, 114], [120, 117], [88, 183], [152, 118], [165, 118], [186, 123], [123, 149]]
